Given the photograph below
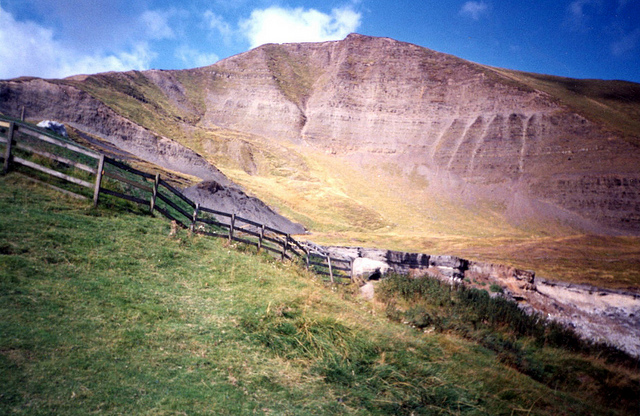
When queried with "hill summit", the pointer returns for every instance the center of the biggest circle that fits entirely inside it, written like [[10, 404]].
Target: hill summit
[[542, 146]]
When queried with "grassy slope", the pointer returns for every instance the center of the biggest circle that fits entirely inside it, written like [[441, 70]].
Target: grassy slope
[[103, 312], [134, 96]]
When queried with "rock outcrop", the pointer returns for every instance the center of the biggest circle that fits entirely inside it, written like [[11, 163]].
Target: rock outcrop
[[602, 315], [54, 126]]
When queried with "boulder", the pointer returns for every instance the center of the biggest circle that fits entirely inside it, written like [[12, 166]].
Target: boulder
[[367, 291], [369, 269]]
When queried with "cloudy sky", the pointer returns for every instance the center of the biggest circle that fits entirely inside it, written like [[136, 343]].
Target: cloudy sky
[[574, 38]]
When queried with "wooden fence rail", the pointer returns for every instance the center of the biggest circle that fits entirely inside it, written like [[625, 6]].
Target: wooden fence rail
[[146, 189], [21, 136]]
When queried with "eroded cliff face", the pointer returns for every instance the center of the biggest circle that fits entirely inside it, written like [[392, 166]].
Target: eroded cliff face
[[456, 123]]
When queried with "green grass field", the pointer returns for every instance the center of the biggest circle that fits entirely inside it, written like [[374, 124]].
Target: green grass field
[[104, 313]]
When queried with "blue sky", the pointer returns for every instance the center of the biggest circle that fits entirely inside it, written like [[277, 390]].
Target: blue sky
[[574, 38]]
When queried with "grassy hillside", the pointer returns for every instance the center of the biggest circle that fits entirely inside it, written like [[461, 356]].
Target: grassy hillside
[[134, 96], [377, 203], [104, 312]]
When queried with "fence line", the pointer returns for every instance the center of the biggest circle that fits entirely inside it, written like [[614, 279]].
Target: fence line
[[146, 189]]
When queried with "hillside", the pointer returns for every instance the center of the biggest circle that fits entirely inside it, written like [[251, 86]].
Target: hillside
[[370, 141], [104, 312]]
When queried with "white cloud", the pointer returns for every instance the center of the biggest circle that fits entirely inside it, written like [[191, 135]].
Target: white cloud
[[29, 49], [138, 58], [156, 25], [280, 25], [474, 9], [218, 28], [576, 10], [194, 58], [626, 44], [216, 22]]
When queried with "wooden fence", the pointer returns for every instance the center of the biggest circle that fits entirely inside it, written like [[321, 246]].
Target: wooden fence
[[78, 171]]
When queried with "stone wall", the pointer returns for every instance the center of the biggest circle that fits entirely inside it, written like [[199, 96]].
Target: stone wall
[[419, 264]]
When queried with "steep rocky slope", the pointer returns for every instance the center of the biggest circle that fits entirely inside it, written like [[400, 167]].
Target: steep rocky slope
[[469, 128], [373, 134]]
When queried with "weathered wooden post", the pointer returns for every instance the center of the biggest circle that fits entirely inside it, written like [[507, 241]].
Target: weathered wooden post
[[22, 114], [96, 190], [194, 218], [285, 246], [330, 269], [231, 226], [260, 237], [351, 269], [154, 194], [7, 152]]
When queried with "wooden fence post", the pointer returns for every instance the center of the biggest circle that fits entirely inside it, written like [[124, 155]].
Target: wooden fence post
[[96, 190], [307, 252], [154, 195], [194, 217], [231, 225], [330, 269], [285, 246], [351, 271], [7, 152], [260, 237], [22, 114]]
